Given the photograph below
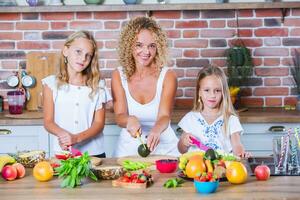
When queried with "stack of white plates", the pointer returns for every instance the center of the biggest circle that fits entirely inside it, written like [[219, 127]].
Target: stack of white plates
[[74, 2]]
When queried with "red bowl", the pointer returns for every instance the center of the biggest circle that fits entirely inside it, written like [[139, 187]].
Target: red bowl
[[166, 165]]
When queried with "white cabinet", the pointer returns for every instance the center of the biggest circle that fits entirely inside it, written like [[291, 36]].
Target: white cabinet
[[24, 138], [257, 137]]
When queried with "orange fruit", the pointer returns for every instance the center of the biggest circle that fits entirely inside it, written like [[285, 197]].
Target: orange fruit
[[195, 166], [236, 173], [43, 171]]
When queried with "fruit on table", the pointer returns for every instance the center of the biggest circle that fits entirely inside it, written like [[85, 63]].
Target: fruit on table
[[31, 158], [262, 172], [9, 172], [20, 170], [63, 155], [236, 172], [4, 160], [143, 150], [195, 166], [43, 171]]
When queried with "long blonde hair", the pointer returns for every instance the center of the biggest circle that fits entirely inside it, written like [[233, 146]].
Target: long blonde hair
[[92, 72], [128, 38], [226, 106]]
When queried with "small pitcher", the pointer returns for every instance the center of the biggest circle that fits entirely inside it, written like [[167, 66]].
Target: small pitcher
[[32, 2]]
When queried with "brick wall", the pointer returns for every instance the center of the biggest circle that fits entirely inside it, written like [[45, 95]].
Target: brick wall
[[196, 38]]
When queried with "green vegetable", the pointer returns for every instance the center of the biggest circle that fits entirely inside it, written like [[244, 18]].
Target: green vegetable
[[173, 183], [73, 170], [132, 165], [143, 150]]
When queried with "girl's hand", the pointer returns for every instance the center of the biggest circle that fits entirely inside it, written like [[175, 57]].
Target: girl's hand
[[186, 139], [239, 150], [133, 126], [153, 140]]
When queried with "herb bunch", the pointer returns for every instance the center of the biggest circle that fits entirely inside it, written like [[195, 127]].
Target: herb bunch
[[73, 170]]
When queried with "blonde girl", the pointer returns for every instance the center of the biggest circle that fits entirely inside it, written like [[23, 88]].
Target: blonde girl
[[213, 120], [74, 98]]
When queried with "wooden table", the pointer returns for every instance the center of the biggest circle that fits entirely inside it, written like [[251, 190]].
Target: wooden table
[[279, 187]]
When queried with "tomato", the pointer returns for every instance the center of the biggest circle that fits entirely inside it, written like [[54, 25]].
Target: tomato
[[64, 155], [236, 173], [43, 171], [125, 179]]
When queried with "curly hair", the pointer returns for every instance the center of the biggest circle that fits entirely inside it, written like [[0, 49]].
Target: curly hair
[[92, 72], [128, 38], [226, 106]]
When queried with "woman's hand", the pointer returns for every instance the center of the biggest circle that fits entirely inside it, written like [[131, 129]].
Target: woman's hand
[[153, 140], [133, 126], [67, 139], [239, 150]]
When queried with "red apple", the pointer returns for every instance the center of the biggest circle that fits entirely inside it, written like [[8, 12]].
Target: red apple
[[20, 170], [262, 172], [9, 172]]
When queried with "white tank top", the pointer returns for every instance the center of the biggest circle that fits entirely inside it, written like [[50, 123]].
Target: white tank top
[[147, 115]]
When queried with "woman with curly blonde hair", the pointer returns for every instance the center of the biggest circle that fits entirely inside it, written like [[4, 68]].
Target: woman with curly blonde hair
[[74, 98], [144, 90]]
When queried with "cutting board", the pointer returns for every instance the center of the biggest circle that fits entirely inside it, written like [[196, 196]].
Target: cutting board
[[40, 65], [148, 159]]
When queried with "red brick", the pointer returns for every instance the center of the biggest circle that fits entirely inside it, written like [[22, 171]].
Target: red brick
[[296, 12], [292, 22], [58, 45], [186, 63], [59, 25], [246, 92], [245, 32], [112, 64], [84, 15], [272, 41], [57, 16], [111, 25], [252, 102], [166, 14], [179, 72], [246, 23], [190, 33], [134, 14], [189, 92], [191, 73], [191, 24], [268, 13], [10, 16], [217, 14], [86, 25], [112, 44], [272, 81], [290, 101], [218, 33], [30, 16], [175, 53], [33, 45], [6, 26], [272, 71], [271, 52], [32, 25], [270, 32], [166, 24], [271, 61], [12, 54], [219, 62], [7, 45], [187, 83], [107, 35], [9, 64], [212, 53], [273, 102], [245, 13], [286, 61], [110, 15], [291, 41], [192, 53], [257, 61], [179, 93], [271, 91], [56, 35], [295, 32], [217, 43], [190, 14], [191, 43], [217, 23], [184, 103], [108, 54], [173, 33], [253, 42], [10, 36], [289, 81]]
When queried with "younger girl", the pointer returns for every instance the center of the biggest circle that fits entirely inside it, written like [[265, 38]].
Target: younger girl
[[213, 120], [74, 99]]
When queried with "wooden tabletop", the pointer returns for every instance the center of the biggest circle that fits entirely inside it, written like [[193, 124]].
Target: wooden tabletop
[[277, 187]]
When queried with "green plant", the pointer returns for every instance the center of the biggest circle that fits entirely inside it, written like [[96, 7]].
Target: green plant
[[295, 69]]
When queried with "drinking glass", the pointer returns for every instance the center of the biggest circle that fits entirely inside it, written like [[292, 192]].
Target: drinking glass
[[294, 156], [280, 153]]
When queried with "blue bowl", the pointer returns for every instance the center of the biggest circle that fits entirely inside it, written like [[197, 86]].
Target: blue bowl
[[206, 187]]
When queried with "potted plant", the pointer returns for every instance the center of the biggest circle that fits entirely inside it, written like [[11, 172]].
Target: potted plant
[[295, 70]]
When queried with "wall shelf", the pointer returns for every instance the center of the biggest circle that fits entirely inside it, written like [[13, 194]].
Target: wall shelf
[[149, 7]]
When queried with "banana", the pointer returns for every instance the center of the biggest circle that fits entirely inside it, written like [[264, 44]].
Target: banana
[[234, 91], [6, 159]]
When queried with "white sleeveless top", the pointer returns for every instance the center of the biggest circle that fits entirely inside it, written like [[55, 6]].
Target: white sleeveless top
[[74, 112], [147, 115]]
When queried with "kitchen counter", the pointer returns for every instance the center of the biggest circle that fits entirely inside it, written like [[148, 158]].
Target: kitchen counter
[[252, 115], [277, 187]]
